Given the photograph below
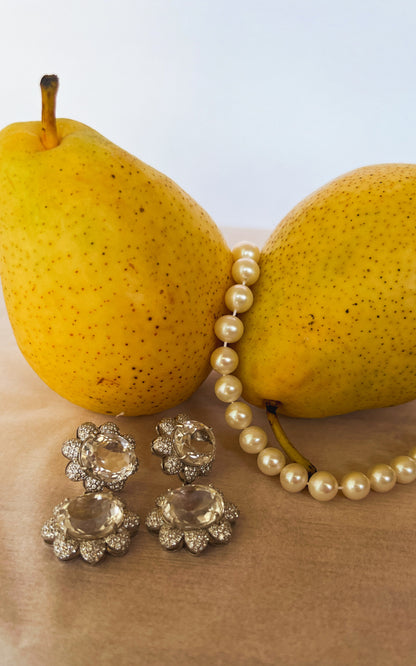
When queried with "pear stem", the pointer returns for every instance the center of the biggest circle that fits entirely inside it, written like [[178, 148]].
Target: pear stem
[[287, 446], [49, 87]]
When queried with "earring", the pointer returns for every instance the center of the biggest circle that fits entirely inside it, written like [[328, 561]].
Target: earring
[[194, 514], [97, 522], [187, 447], [100, 457]]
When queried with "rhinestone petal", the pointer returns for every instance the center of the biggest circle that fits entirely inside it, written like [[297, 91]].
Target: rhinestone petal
[[118, 544], [92, 551], [172, 465], [109, 428], [70, 449], [231, 512], [196, 540], [189, 474], [181, 418], [221, 532], [154, 520], [162, 446], [58, 508], [116, 486], [91, 484], [170, 537], [85, 430], [65, 548], [49, 531], [75, 472], [131, 521], [166, 426]]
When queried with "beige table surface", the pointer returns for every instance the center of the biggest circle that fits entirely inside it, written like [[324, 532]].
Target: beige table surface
[[300, 583]]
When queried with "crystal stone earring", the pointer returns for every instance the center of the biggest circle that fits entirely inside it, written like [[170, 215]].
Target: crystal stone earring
[[97, 522], [194, 514]]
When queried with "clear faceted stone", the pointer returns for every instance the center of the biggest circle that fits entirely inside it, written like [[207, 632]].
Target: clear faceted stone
[[192, 507], [91, 516], [110, 457], [194, 443]]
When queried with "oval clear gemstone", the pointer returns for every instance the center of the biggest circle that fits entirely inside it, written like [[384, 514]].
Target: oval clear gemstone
[[109, 457], [91, 516], [192, 506], [194, 443]]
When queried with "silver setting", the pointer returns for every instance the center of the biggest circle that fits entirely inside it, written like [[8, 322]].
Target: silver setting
[[100, 456], [90, 526], [193, 516], [186, 446]]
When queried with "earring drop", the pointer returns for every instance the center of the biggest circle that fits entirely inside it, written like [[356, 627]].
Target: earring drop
[[194, 514], [97, 522]]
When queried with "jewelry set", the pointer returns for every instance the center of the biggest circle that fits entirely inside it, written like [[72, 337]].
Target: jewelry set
[[99, 522], [194, 514]]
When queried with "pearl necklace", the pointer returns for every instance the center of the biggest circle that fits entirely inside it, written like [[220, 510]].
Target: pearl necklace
[[297, 475]]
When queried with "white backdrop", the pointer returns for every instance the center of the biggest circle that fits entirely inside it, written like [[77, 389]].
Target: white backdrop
[[248, 104]]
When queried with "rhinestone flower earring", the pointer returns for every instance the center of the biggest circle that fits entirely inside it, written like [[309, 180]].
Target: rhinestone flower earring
[[98, 521], [194, 514]]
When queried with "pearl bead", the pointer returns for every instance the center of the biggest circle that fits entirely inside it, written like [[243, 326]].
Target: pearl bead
[[412, 453], [293, 477], [239, 298], [405, 468], [238, 415], [271, 461], [229, 328], [245, 270], [382, 478], [355, 485], [246, 249], [253, 439], [228, 388], [323, 486], [224, 360]]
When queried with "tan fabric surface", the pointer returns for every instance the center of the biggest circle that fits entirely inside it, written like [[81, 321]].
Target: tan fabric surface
[[300, 583]]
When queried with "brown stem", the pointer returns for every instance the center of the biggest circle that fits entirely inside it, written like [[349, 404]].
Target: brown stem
[[49, 87], [287, 446]]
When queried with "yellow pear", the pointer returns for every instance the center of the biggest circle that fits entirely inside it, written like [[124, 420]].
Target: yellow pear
[[112, 275], [332, 328]]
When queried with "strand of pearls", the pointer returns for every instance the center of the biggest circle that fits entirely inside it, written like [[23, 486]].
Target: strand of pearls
[[322, 485]]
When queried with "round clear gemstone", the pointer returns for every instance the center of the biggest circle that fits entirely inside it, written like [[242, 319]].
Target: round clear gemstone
[[91, 516], [194, 443], [191, 507], [108, 456]]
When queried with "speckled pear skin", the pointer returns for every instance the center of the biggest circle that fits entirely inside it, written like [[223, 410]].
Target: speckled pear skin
[[333, 325], [112, 275]]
